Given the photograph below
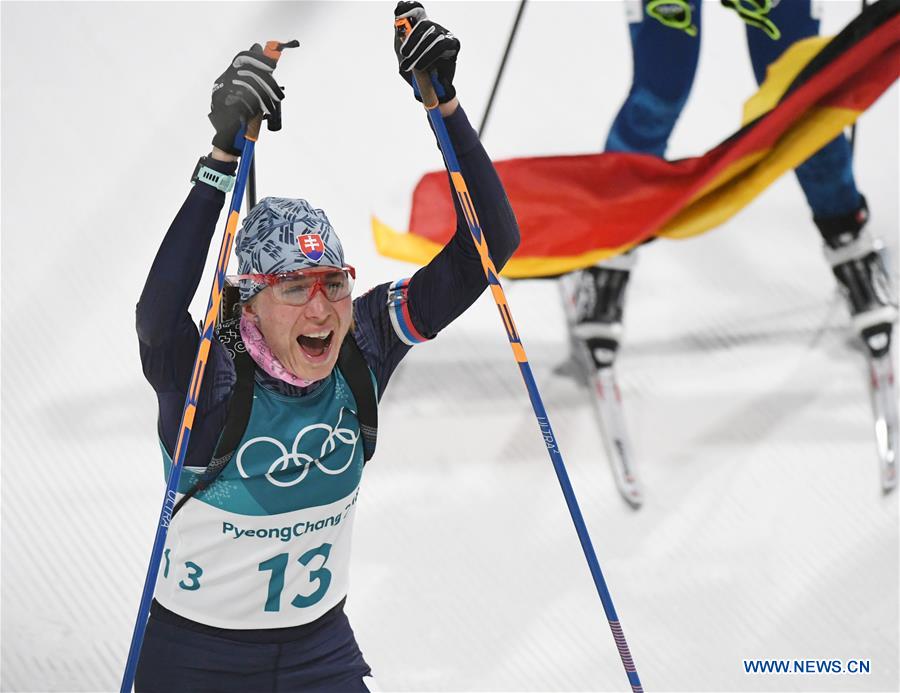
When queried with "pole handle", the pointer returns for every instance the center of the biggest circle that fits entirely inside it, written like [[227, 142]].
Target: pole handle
[[273, 48], [403, 27], [272, 51], [253, 126], [426, 90]]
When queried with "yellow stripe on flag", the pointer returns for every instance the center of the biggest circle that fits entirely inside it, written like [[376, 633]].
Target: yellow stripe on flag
[[805, 138], [780, 75]]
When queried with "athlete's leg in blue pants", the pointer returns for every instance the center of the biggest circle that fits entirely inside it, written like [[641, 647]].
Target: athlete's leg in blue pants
[[664, 62], [827, 176]]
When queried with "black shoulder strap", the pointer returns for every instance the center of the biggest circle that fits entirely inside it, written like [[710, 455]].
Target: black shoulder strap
[[238, 406], [236, 420], [356, 371]]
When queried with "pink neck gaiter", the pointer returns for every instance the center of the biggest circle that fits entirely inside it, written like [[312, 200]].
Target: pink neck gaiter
[[265, 359]]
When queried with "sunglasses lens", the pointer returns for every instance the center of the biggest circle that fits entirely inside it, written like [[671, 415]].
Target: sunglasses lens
[[295, 292], [337, 285]]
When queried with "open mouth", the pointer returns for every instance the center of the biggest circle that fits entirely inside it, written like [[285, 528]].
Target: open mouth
[[316, 344]]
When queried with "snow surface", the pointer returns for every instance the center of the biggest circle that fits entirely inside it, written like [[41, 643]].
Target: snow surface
[[764, 534]]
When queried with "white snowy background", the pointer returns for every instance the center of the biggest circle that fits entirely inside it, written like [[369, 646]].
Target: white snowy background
[[764, 533]]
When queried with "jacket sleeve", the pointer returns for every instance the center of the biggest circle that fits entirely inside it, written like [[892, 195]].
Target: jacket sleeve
[[442, 290], [392, 317], [167, 336]]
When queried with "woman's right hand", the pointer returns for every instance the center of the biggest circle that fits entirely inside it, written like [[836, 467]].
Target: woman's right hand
[[245, 90]]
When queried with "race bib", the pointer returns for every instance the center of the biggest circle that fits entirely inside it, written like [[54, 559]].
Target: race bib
[[241, 571]]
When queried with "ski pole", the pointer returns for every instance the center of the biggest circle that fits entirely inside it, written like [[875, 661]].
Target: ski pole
[[251, 186], [430, 101], [273, 50], [852, 138], [509, 43]]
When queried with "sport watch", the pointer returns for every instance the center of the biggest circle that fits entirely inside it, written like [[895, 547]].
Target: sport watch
[[205, 174]]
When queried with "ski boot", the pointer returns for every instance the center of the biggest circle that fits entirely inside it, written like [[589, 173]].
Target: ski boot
[[594, 300], [598, 303]]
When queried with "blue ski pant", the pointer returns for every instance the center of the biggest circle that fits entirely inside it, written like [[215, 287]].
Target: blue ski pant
[[177, 657], [665, 61]]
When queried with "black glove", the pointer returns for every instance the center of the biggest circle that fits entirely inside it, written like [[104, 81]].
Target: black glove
[[756, 13], [245, 90], [429, 47]]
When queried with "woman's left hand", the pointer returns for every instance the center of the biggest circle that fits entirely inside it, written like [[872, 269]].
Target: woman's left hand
[[429, 48]]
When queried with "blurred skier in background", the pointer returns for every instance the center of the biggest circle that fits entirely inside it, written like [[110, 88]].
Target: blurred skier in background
[[665, 39]]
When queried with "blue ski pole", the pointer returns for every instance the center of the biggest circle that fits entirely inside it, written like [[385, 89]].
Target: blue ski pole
[[272, 50], [430, 101]]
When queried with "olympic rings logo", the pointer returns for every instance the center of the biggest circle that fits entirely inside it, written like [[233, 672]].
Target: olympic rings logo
[[300, 460]]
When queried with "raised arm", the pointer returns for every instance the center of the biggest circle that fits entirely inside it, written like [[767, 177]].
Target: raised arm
[[167, 335], [442, 290], [393, 317]]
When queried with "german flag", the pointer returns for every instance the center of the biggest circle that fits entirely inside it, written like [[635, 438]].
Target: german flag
[[574, 211]]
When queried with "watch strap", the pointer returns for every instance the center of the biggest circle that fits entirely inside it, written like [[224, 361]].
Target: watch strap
[[216, 179]]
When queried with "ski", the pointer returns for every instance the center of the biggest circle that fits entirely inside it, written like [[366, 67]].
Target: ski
[[607, 402], [883, 391]]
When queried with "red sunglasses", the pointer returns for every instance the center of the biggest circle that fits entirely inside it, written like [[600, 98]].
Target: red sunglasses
[[298, 288]]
